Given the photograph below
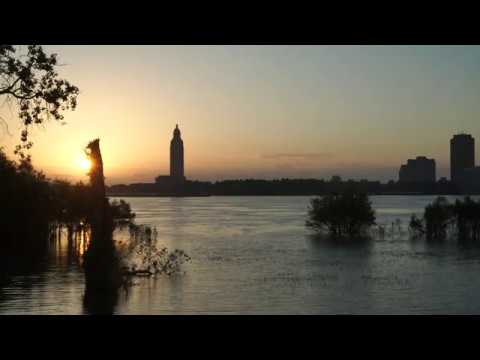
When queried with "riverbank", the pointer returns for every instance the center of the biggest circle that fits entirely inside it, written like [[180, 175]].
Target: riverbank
[[155, 195], [266, 194]]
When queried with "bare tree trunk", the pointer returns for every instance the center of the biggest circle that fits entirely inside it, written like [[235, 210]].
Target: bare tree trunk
[[101, 262], [102, 224]]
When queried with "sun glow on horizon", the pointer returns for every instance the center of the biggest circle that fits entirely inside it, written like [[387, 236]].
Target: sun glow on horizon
[[257, 111], [85, 164]]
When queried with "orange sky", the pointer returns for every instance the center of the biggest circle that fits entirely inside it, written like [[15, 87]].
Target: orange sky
[[259, 111]]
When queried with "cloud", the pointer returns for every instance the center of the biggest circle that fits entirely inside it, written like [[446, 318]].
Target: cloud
[[293, 156]]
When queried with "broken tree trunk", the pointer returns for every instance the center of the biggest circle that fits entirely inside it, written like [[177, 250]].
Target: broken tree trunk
[[101, 262]]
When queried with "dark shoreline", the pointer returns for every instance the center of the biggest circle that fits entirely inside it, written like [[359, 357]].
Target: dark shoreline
[[285, 195], [285, 187]]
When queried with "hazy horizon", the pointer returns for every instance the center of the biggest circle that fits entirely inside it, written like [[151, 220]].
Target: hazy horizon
[[259, 111]]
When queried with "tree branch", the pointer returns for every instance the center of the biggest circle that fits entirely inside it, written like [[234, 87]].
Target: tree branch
[[22, 97], [9, 89]]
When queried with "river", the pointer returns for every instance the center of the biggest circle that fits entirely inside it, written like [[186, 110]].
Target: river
[[254, 255]]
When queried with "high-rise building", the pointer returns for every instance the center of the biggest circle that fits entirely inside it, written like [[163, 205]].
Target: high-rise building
[[419, 170], [176, 156], [469, 181], [462, 155]]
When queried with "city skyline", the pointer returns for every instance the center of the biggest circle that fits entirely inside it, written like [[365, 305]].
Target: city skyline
[[421, 170], [260, 111]]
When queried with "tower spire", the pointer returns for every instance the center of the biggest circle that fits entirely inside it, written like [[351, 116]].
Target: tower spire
[[176, 156], [176, 131]]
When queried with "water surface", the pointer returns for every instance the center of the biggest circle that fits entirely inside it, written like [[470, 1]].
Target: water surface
[[254, 255]]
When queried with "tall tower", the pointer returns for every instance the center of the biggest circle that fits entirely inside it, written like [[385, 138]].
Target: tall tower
[[176, 156], [462, 155]]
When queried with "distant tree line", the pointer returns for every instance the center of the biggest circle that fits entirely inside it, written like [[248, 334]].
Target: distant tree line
[[283, 187]]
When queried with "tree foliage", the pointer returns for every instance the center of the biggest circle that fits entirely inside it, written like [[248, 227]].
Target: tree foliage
[[121, 211], [346, 214], [30, 80], [438, 216], [25, 200], [31, 204], [442, 218]]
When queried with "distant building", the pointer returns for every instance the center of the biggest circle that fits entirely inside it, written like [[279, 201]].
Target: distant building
[[164, 180], [419, 170], [176, 156], [469, 180], [462, 155], [177, 174]]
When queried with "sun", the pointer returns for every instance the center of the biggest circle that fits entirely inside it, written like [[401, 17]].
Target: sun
[[85, 164]]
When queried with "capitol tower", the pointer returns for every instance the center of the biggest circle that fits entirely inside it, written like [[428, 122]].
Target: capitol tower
[[176, 157]]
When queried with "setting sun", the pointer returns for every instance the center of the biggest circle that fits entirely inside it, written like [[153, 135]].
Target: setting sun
[[85, 164]]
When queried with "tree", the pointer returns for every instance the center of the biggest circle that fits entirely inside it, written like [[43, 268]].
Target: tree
[[26, 204], [30, 81], [346, 214], [438, 216], [467, 213], [101, 221], [102, 269], [336, 179], [442, 220]]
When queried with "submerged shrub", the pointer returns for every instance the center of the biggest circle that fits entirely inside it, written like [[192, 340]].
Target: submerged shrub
[[434, 224], [438, 216], [416, 226], [121, 211], [141, 256], [346, 214], [467, 219], [442, 218]]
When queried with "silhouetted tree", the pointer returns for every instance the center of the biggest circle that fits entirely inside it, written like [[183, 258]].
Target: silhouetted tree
[[102, 266], [101, 220], [121, 212], [467, 219], [26, 204], [33, 207], [346, 214], [440, 217], [29, 79], [437, 218]]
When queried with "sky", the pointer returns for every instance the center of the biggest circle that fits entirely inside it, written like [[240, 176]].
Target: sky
[[259, 111]]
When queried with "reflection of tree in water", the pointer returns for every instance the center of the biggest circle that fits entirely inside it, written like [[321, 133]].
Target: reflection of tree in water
[[29, 272], [100, 302], [137, 256], [23, 270]]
